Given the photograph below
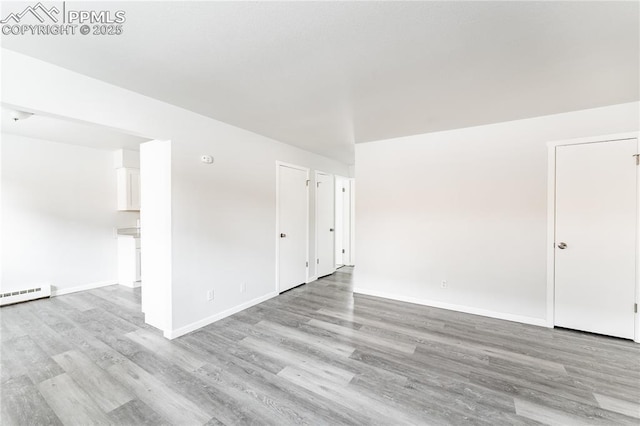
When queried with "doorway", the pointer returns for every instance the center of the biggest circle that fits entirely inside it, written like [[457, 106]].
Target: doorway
[[292, 231], [593, 241]]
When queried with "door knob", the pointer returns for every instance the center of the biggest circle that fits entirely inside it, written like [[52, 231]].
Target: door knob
[[562, 246], [283, 235]]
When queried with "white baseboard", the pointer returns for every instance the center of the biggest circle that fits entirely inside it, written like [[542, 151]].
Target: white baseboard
[[60, 291], [542, 322], [311, 279], [132, 284], [172, 334]]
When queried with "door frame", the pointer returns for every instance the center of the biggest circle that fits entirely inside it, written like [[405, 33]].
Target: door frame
[[277, 234], [333, 215], [352, 222], [551, 220]]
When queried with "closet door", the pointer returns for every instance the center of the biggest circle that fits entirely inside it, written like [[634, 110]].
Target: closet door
[[325, 224], [293, 226], [595, 237]]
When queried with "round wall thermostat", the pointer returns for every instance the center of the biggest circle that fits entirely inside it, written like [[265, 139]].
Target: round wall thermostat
[[207, 159]]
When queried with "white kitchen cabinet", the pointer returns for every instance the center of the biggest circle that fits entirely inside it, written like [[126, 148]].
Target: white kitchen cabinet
[[128, 189], [129, 261], [138, 264]]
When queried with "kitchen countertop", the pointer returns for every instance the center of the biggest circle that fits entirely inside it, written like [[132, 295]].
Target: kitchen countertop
[[129, 232]]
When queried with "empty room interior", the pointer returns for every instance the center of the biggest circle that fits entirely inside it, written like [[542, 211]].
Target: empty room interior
[[320, 213]]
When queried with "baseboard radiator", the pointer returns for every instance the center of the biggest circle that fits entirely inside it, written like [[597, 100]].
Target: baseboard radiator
[[24, 295]]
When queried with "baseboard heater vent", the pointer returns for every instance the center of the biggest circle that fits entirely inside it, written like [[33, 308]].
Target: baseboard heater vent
[[24, 295]]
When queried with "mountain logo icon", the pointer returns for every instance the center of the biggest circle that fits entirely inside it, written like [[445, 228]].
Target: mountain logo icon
[[39, 11]]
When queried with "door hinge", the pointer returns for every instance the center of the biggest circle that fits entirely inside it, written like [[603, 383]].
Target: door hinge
[[637, 159], [344, 190], [308, 182], [342, 250], [635, 308], [318, 261], [318, 184], [306, 264]]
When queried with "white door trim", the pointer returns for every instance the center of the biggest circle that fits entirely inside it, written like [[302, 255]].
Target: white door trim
[[277, 235], [551, 221], [352, 219], [333, 181]]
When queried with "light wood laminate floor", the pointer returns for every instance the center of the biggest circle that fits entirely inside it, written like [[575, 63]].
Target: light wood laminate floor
[[316, 355]]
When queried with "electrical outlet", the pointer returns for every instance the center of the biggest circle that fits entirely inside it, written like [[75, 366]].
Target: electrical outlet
[[243, 287], [210, 295], [206, 159], [443, 284]]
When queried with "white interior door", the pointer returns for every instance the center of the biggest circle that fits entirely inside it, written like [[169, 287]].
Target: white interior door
[[339, 220], [595, 237], [293, 226], [325, 224], [345, 221]]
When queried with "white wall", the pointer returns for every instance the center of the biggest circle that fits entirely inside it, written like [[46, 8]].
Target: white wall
[[155, 239], [467, 206], [223, 215], [58, 215], [224, 222]]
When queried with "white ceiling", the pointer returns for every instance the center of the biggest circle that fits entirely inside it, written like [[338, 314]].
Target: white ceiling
[[69, 132], [323, 75]]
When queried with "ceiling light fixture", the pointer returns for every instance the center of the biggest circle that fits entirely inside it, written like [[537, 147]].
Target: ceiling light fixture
[[20, 115]]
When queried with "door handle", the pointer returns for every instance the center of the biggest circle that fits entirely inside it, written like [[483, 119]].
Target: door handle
[[562, 246], [283, 235], [330, 229]]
